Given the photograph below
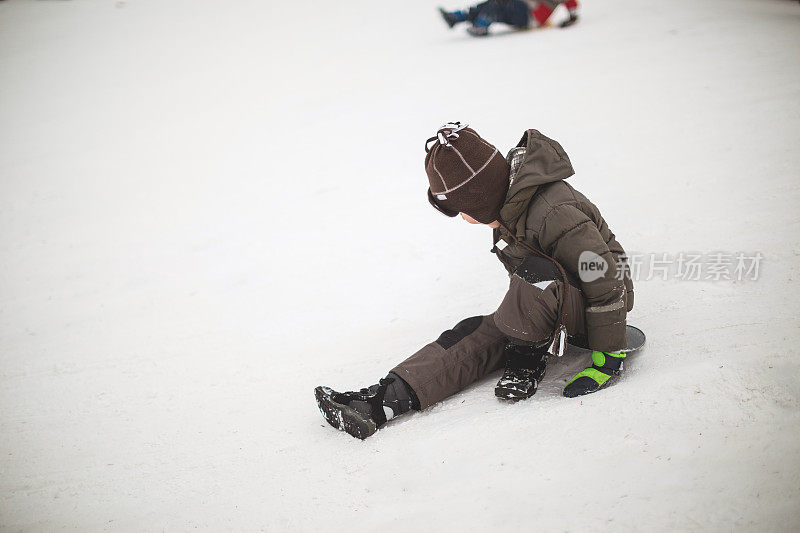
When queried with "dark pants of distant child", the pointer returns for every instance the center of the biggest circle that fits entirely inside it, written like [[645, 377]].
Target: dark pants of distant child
[[517, 13], [512, 12]]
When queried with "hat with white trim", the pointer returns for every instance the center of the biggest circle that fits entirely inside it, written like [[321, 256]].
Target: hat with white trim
[[466, 173]]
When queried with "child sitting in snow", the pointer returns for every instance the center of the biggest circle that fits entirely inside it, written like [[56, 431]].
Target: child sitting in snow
[[549, 229], [521, 14]]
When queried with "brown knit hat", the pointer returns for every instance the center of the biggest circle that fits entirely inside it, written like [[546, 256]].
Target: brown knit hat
[[466, 173]]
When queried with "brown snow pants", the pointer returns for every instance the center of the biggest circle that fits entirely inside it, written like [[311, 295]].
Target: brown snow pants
[[474, 347]]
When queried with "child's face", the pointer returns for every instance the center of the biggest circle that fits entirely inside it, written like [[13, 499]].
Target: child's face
[[471, 220]]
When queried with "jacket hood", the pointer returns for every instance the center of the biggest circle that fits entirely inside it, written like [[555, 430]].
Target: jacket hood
[[544, 162]]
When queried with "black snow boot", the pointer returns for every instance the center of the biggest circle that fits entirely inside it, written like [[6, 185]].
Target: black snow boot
[[604, 367], [573, 18], [363, 412], [525, 368], [449, 18]]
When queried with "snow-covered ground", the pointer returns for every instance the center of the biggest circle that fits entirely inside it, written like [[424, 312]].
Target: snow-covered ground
[[208, 208]]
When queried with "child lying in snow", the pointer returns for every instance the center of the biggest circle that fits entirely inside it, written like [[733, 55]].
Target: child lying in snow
[[549, 228], [521, 14]]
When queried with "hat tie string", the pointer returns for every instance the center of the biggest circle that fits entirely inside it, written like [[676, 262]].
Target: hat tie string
[[445, 133]]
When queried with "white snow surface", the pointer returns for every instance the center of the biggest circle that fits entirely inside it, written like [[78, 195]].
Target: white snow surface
[[209, 208]]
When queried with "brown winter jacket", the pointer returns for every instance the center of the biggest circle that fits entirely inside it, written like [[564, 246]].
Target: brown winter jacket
[[545, 212]]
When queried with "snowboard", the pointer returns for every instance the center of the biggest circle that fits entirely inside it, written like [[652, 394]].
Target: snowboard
[[635, 340]]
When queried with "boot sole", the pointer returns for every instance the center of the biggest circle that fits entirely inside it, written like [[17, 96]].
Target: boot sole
[[512, 394], [343, 417]]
